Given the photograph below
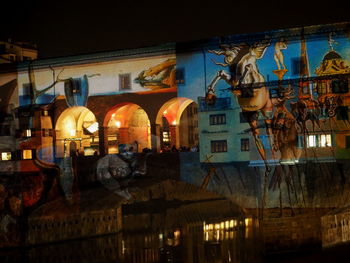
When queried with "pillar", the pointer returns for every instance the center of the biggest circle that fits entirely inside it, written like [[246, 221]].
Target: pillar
[[103, 139], [174, 136], [155, 137]]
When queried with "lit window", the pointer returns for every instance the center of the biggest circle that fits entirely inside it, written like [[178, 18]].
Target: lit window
[[321, 140], [26, 154], [6, 156], [166, 137], [311, 141], [27, 133], [325, 140], [218, 146], [244, 145]]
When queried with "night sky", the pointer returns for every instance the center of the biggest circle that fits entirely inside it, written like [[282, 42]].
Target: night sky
[[64, 27]]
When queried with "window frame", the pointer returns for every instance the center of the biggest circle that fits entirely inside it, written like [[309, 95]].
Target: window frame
[[245, 145], [122, 78], [217, 119], [218, 146]]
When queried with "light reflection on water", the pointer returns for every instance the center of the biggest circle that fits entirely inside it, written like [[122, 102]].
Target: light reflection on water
[[166, 235]]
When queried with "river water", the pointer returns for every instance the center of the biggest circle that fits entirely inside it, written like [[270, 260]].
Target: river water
[[161, 231]]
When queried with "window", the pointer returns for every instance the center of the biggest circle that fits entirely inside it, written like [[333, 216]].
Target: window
[[242, 118], [26, 154], [6, 156], [347, 142], [340, 86], [296, 62], [311, 141], [217, 119], [180, 76], [27, 133], [319, 140], [342, 113], [5, 130], [27, 92], [245, 145], [325, 140], [124, 81], [274, 93], [218, 146], [166, 137], [72, 85]]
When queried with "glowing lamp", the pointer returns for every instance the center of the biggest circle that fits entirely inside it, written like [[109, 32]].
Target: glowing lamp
[[174, 122], [72, 132], [118, 124]]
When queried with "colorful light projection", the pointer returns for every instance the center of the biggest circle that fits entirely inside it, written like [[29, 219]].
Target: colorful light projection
[[128, 124], [77, 125]]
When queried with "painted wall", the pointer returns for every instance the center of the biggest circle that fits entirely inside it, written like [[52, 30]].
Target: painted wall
[[103, 77]]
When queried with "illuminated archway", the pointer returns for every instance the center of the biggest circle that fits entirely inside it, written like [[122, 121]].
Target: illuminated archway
[[127, 124], [178, 120], [76, 130]]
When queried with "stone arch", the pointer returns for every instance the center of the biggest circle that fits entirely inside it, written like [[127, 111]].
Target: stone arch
[[76, 124], [127, 124], [174, 126]]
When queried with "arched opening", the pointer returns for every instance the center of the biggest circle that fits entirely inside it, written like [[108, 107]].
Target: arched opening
[[127, 124], [76, 132], [178, 120]]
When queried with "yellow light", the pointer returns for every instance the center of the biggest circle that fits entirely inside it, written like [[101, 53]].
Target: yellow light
[[27, 154], [72, 132], [6, 156], [211, 227], [217, 226], [227, 224], [177, 233], [174, 122], [247, 221], [217, 234], [231, 223], [93, 127], [113, 115], [165, 112], [118, 124]]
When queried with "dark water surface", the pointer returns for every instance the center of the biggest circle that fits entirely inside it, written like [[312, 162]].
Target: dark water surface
[[197, 231]]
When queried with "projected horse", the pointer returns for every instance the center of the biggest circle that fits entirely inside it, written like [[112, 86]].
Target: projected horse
[[247, 84]]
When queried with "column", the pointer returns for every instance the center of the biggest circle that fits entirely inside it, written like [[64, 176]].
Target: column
[[155, 137], [103, 139], [174, 135]]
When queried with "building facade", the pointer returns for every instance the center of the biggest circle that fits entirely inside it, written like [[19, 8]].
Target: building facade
[[259, 108]]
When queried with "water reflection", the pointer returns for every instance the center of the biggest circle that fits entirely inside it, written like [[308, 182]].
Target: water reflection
[[197, 231]]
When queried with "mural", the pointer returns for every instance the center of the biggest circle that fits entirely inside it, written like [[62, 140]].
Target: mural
[[293, 94], [161, 76], [263, 121], [76, 84]]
